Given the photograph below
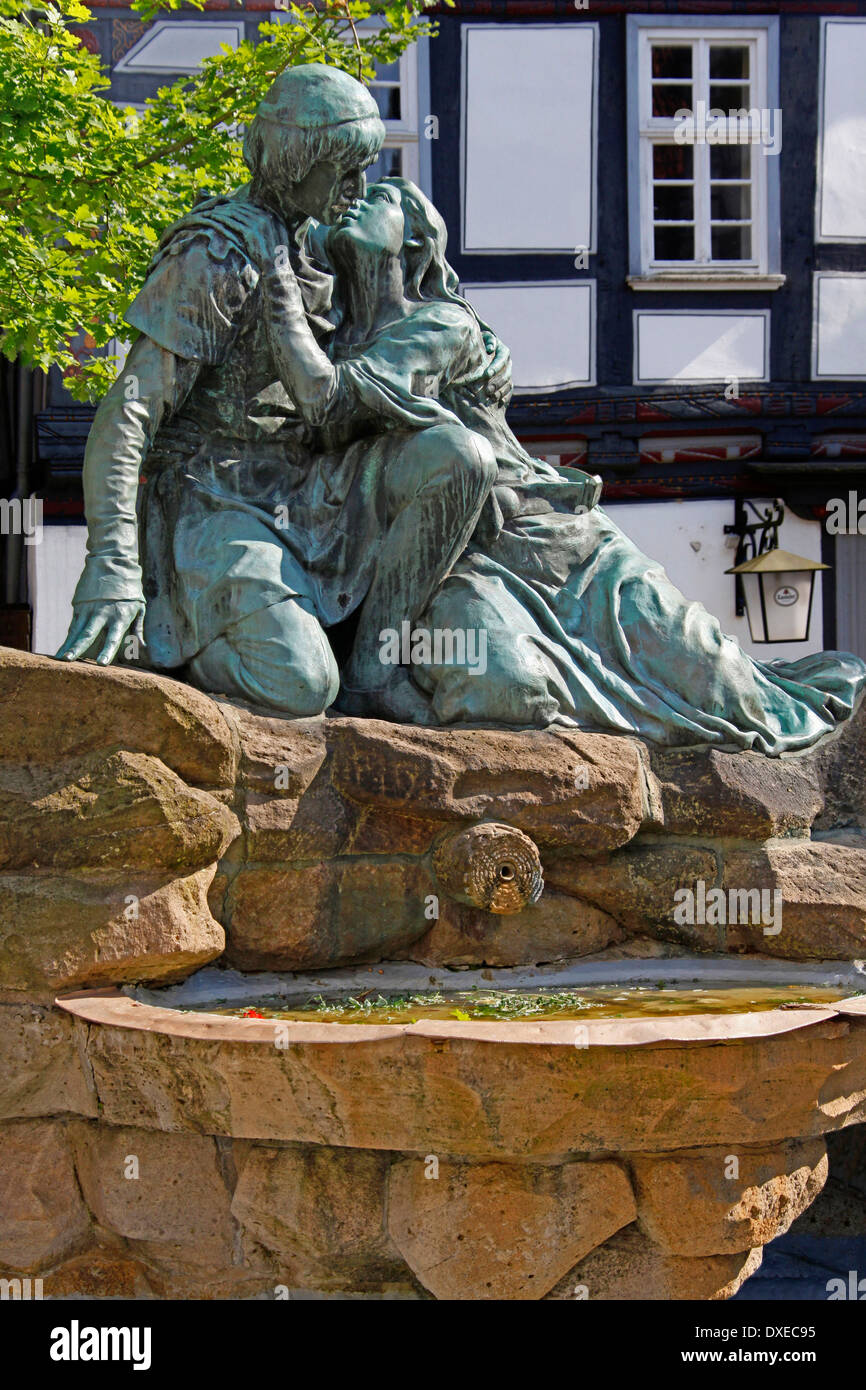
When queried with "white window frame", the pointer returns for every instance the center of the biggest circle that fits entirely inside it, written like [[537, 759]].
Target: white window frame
[[762, 270], [404, 134]]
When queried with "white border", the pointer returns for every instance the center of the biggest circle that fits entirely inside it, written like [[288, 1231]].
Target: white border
[[820, 239], [696, 314], [123, 64], [593, 180], [817, 277], [466, 287]]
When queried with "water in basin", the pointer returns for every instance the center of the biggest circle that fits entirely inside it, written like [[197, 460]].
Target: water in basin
[[656, 1000]]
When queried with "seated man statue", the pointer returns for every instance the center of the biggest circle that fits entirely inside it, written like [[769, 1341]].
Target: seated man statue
[[251, 545]]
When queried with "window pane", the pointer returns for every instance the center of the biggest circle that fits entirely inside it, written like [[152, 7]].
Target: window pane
[[674, 244], [668, 99], [732, 202], [731, 243], [673, 162], [729, 61], [730, 161], [388, 101], [673, 204], [727, 96], [672, 60], [390, 72], [389, 163]]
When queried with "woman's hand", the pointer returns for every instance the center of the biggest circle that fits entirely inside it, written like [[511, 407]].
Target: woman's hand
[[113, 617], [493, 386], [498, 374]]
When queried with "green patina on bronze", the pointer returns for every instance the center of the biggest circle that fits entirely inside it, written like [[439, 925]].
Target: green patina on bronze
[[318, 421]]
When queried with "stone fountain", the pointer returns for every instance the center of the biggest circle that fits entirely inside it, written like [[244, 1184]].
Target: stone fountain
[[153, 831]]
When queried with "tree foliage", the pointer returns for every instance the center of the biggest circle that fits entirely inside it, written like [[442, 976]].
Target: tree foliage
[[87, 187]]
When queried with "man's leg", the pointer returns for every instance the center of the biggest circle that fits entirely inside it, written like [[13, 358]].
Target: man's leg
[[277, 657], [436, 489]]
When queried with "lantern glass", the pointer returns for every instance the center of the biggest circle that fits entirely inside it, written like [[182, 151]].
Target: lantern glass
[[779, 604]]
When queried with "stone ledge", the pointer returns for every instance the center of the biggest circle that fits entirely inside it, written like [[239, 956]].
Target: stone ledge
[[642, 1086]]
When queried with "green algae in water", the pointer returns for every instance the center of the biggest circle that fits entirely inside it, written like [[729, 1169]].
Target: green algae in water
[[553, 1005]]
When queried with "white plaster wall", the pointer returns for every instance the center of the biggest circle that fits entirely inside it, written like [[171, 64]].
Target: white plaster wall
[[528, 107], [53, 569], [851, 594], [842, 167], [548, 328], [670, 532], [665, 531], [700, 347], [175, 46]]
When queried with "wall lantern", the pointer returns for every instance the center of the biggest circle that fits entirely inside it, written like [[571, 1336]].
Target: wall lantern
[[774, 588]]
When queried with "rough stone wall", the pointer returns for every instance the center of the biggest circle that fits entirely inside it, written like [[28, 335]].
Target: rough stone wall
[[145, 827], [143, 820], [104, 1210]]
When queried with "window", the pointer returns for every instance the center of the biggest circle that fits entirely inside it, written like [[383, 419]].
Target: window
[[396, 94], [705, 135]]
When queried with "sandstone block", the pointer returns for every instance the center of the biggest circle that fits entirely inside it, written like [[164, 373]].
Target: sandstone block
[[99, 1273], [317, 825], [839, 765], [43, 1216], [278, 757], [93, 707], [320, 1211], [555, 928], [313, 916], [43, 1068], [425, 1091], [715, 1202], [562, 788], [163, 1193], [823, 903], [114, 810], [636, 887], [60, 931], [629, 1268], [502, 1231], [740, 795]]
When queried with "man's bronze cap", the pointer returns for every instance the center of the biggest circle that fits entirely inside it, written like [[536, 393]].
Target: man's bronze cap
[[312, 95]]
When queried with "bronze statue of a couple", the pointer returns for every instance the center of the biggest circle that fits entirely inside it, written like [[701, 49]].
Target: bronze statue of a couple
[[307, 452]]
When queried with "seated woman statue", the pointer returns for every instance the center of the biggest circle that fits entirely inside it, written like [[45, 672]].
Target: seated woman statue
[[582, 628], [216, 538]]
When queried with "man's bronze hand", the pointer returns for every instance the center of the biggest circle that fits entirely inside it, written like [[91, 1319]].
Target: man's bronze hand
[[113, 617]]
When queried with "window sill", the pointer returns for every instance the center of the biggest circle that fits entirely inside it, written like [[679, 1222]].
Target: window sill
[[705, 280]]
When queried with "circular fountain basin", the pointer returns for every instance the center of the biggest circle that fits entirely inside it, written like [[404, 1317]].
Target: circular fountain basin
[[510, 1087]]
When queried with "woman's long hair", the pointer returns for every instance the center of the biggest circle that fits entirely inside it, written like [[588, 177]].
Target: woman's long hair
[[428, 275]]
